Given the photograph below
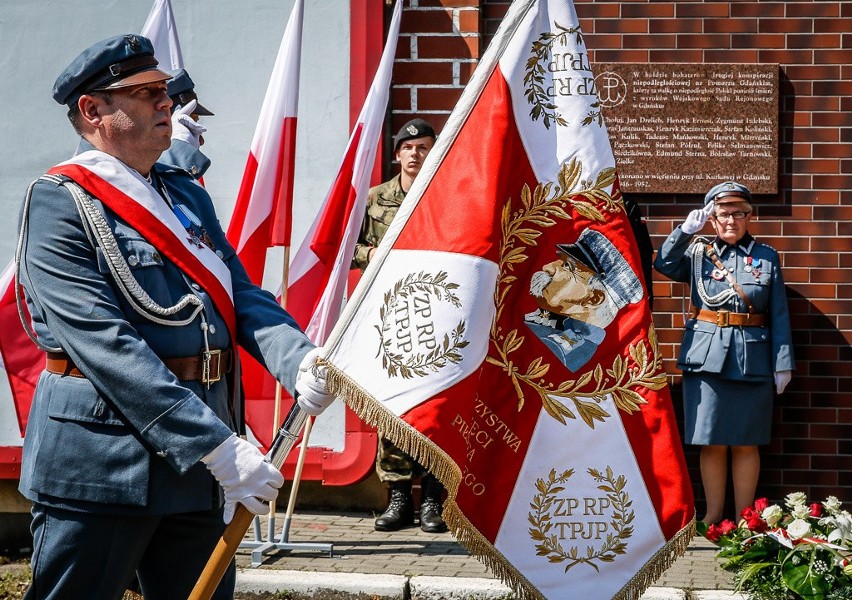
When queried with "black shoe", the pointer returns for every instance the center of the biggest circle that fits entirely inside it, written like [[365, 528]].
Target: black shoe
[[432, 495], [400, 510]]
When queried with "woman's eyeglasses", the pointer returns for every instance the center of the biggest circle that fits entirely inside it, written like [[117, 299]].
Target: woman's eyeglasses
[[736, 216]]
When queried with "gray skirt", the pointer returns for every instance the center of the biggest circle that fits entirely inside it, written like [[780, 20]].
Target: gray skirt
[[726, 412]]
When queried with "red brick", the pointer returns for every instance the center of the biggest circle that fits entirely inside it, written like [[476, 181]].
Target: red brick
[[833, 182], [834, 119], [654, 10], [401, 98], [730, 25], [648, 41], [814, 40], [681, 56], [810, 477], [760, 8], [833, 57], [494, 10], [786, 57], [763, 40], [810, 415], [830, 151], [447, 46], [827, 25], [603, 41], [816, 165], [818, 103], [718, 40], [469, 21], [794, 275], [689, 10], [785, 25], [621, 26], [818, 72], [466, 69], [815, 291], [421, 73], [674, 26], [598, 10], [806, 446], [730, 56], [427, 21], [834, 306], [403, 48], [832, 88], [637, 56], [829, 276], [812, 9], [437, 98], [808, 228]]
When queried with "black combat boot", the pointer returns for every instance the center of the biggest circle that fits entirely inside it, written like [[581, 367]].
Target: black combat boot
[[400, 510], [431, 501]]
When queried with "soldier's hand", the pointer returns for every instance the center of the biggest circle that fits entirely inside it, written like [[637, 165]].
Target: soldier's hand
[[245, 476], [311, 394], [184, 128], [696, 219]]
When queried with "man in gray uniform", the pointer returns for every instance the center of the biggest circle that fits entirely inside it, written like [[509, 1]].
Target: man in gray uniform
[[185, 151], [396, 468], [140, 301]]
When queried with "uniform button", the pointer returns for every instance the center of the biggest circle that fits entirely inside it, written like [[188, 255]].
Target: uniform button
[[132, 260], [162, 454], [220, 254], [157, 258], [196, 287], [193, 169], [212, 329]]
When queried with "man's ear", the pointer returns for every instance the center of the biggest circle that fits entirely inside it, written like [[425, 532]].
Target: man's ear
[[90, 109]]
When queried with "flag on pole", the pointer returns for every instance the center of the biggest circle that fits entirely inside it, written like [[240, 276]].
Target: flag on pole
[[263, 213], [502, 335], [22, 359], [160, 28], [320, 268]]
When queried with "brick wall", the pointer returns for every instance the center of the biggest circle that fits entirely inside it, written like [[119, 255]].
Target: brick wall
[[809, 221]]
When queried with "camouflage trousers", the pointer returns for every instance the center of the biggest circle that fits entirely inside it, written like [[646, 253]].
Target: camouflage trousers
[[392, 464]]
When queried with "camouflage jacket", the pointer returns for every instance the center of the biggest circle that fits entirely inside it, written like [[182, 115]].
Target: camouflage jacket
[[382, 203]]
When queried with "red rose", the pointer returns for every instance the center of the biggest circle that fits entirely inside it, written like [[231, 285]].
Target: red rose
[[713, 533], [760, 504], [748, 513], [816, 510], [756, 524], [727, 526]]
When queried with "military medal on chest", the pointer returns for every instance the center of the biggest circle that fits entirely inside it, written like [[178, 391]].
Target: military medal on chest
[[748, 260], [197, 234]]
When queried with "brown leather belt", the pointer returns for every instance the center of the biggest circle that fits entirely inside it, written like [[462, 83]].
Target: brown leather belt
[[725, 318], [190, 368]]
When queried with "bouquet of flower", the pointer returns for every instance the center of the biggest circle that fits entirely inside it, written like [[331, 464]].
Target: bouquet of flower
[[801, 552]]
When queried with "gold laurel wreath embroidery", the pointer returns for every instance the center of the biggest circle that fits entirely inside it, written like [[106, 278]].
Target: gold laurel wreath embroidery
[[534, 79], [643, 369], [420, 364], [541, 520]]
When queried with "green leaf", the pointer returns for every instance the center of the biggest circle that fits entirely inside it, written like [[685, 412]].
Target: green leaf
[[803, 580]]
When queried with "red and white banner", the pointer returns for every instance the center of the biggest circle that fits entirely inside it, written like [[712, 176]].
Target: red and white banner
[[160, 28], [503, 337], [264, 209], [320, 268]]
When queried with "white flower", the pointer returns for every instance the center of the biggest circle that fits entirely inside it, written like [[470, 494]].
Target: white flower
[[842, 534], [800, 511], [772, 514], [798, 529], [832, 505], [795, 499]]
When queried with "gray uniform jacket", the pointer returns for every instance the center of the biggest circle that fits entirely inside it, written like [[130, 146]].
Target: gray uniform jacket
[[185, 157], [740, 353], [128, 437]]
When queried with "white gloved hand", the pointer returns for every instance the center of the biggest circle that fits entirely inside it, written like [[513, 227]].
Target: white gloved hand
[[782, 378], [310, 385], [696, 219], [184, 128], [245, 476]]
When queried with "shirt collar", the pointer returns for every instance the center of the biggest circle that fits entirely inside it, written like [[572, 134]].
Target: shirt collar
[[745, 244]]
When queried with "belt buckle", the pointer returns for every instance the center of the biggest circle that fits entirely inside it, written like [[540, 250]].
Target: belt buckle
[[207, 360], [722, 318]]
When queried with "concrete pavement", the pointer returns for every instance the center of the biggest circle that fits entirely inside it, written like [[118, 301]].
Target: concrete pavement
[[409, 564]]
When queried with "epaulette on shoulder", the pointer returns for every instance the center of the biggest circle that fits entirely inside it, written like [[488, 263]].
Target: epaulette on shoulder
[[54, 178], [764, 245]]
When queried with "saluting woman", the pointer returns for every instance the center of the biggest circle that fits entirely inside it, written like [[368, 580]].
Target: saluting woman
[[737, 347]]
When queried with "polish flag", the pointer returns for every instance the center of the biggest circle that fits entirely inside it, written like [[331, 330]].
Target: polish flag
[[502, 334], [160, 28], [264, 209], [320, 268]]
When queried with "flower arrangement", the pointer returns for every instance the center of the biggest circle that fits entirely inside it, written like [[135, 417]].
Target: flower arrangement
[[801, 552]]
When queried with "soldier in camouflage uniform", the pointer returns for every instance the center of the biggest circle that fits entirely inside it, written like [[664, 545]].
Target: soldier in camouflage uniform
[[398, 469]]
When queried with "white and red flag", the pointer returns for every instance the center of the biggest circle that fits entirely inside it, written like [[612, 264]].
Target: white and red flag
[[263, 213], [160, 28], [503, 337], [320, 268]]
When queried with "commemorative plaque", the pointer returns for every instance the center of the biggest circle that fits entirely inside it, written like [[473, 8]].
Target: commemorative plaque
[[681, 128]]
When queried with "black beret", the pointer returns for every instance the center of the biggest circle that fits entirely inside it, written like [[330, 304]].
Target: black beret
[[116, 62], [415, 128], [182, 92]]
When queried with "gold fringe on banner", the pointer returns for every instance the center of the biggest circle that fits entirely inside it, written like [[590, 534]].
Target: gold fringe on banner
[[439, 463]]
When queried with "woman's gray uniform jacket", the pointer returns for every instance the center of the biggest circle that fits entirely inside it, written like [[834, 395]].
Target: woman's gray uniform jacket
[[128, 437], [740, 353]]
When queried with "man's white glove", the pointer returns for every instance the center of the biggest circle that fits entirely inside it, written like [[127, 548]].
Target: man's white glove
[[310, 385], [696, 219], [782, 378], [184, 128], [245, 476]]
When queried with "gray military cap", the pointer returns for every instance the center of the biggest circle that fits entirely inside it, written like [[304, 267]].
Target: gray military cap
[[116, 62], [182, 92], [728, 191], [415, 128]]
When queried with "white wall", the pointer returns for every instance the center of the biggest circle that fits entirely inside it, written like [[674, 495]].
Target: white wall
[[229, 48]]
